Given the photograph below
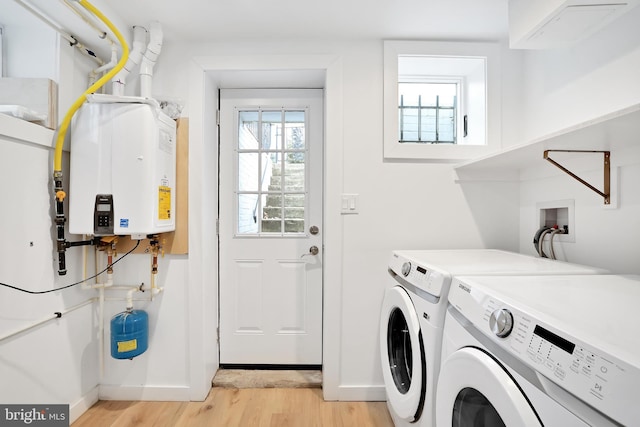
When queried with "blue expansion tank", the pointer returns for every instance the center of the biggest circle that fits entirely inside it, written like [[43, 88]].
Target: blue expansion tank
[[129, 334]]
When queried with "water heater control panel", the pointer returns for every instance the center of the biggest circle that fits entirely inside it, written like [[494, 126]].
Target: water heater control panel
[[103, 215]]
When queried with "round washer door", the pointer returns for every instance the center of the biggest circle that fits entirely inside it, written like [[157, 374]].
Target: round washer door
[[475, 390], [402, 354]]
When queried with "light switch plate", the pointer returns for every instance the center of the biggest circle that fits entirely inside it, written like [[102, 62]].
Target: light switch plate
[[349, 204]]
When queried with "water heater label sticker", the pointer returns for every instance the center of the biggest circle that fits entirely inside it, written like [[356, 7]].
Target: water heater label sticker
[[164, 202], [124, 222], [125, 346]]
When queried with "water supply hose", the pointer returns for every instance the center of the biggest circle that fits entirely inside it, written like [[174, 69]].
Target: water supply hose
[[64, 126]]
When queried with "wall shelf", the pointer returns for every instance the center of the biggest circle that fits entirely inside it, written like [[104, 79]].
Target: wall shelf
[[611, 132], [21, 130]]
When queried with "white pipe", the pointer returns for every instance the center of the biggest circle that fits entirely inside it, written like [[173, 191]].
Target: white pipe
[[139, 43], [90, 20], [56, 315], [149, 59], [156, 292], [57, 28], [101, 333], [93, 75]]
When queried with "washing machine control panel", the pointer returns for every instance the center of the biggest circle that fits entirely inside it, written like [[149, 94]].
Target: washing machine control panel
[[427, 279], [501, 322], [406, 268], [598, 378]]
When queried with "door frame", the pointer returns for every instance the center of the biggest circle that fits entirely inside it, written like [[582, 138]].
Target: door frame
[[206, 76]]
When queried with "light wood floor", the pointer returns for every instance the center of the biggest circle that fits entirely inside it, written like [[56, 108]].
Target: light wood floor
[[272, 407]]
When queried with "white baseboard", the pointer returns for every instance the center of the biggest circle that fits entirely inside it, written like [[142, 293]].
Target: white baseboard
[[81, 405], [362, 393], [169, 394]]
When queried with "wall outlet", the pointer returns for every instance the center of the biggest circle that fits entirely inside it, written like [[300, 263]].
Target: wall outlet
[[560, 213]]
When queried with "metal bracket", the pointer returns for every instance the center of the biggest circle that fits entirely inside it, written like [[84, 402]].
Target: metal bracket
[[606, 194]]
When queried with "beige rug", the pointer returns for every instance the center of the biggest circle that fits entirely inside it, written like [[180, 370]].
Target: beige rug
[[246, 378]]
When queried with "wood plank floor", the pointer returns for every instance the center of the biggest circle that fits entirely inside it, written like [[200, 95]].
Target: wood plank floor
[[268, 407]]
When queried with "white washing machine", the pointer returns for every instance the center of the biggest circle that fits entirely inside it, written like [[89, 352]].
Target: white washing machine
[[554, 351], [413, 313]]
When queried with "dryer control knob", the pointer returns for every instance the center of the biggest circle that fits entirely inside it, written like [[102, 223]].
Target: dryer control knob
[[406, 268], [501, 322]]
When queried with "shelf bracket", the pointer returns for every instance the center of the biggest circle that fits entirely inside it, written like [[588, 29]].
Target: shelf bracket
[[606, 194]]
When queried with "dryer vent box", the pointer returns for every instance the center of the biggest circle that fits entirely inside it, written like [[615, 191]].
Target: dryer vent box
[[543, 24], [123, 168]]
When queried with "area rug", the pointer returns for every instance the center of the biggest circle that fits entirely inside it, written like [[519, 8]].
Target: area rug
[[250, 378]]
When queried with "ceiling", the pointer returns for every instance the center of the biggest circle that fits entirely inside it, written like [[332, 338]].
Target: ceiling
[[236, 20], [243, 19]]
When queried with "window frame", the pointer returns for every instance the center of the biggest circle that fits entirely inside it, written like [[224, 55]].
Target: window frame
[[393, 149]]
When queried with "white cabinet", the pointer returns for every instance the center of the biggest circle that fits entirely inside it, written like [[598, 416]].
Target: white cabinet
[[543, 24]]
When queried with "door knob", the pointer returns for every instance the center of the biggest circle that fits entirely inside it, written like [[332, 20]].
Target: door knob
[[313, 250]]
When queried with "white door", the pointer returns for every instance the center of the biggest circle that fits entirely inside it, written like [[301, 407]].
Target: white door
[[270, 226]]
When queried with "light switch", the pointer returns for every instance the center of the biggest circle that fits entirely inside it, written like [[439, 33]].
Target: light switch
[[349, 204]]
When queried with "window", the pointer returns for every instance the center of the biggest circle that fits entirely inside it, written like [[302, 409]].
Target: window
[[441, 100], [271, 193], [428, 111]]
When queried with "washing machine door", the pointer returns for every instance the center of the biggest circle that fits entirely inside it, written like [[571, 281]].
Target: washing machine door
[[474, 390], [402, 355]]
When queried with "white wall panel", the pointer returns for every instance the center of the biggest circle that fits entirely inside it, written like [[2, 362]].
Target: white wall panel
[[58, 361], [402, 204], [564, 87]]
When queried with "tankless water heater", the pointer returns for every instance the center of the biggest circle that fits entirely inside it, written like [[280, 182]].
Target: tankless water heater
[[123, 168]]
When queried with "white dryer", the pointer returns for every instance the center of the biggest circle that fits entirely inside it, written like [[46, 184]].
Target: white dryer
[[555, 351], [413, 313]]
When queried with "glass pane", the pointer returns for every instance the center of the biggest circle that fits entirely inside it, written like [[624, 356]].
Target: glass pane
[[399, 351], [472, 409], [294, 213], [407, 96], [428, 125], [271, 130], [409, 124], [247, 213], [272, 213], [248, 125], [270, 174], [295, 135], [447, 100], [446, 125], [248, 171], [294, 172]]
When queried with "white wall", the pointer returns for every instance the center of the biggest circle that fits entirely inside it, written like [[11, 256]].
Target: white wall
[[57, 361], [565, 87], [402, 204], [30, 46], [596, 76]]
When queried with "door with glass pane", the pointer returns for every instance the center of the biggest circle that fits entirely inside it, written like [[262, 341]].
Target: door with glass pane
[[270, 226]]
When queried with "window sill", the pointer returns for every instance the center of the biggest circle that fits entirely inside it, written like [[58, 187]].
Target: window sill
[[440, 153]]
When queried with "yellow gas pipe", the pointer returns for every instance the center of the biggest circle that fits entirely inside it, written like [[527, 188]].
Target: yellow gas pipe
[[64, 126], [62, 130]]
